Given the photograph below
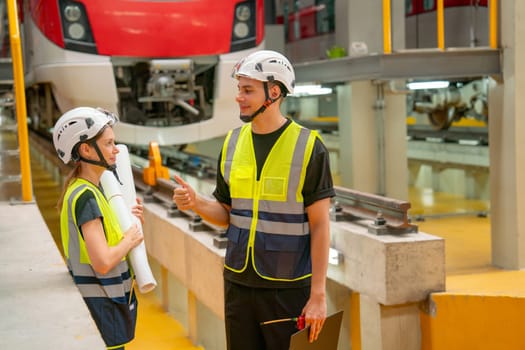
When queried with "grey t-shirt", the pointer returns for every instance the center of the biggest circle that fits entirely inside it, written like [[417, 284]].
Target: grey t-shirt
[[87, 209]]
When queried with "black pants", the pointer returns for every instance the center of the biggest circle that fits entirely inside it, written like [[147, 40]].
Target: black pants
[[246, 308]]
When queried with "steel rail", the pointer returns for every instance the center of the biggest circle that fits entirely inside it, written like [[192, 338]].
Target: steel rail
[[388, 215], [384, 215]]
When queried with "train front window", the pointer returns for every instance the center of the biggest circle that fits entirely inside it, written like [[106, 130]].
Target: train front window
[[428, 5], [325, 16]]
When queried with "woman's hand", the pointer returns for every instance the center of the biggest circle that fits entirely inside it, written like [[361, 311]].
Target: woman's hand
[[103, 257], [138, 210], [134, 236]]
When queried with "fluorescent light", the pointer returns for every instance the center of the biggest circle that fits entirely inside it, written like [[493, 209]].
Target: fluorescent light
[[421, 85], [311, 90]]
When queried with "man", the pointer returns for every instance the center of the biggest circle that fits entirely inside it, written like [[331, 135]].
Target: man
[[273, 192]]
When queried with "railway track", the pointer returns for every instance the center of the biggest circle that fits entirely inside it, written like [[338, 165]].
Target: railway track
[[381, 215], [462, 135]]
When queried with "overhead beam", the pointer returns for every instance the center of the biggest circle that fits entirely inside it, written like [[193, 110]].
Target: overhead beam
[[407, 64]]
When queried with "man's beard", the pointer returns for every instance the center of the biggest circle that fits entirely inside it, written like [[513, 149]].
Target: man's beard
[[246, 118]]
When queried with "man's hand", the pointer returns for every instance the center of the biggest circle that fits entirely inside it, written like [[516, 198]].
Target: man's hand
[[184, 195], [315, 315]]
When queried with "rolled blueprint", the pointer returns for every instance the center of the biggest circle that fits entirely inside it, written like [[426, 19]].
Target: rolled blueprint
[[121, 198]]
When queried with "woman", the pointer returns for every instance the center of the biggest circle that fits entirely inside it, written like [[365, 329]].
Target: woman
[[94, 245]]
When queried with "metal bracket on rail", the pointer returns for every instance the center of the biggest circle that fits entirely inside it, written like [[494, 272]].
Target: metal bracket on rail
[[389, 216], [155, 170], [198, 224]]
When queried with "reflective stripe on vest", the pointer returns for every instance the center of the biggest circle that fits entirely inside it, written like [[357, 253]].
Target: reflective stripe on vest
[[268, 215], [117, 282]]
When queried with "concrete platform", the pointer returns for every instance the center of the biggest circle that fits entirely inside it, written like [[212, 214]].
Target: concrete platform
[[41, 306]]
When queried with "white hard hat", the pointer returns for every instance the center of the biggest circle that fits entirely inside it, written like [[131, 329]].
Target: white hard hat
[[79, 125], [266, 65]]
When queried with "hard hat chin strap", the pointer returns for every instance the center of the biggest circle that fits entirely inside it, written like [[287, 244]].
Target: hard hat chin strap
[[266, 104], [102, 162]]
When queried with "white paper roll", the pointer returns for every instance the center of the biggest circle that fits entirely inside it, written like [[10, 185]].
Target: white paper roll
[[125, 175], [121, 198]]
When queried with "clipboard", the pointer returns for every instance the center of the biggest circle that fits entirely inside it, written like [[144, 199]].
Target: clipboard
[[328, 337]]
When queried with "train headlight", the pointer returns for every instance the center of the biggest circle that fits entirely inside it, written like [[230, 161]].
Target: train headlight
[[76, 31], [241, 30], [72, 13], [244, 28], [243, 13]]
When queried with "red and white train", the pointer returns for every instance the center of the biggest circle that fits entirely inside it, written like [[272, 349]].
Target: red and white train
[[163, 66]]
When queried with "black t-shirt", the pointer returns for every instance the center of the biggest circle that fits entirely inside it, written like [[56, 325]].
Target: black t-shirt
[[86, 209], [317, 185]]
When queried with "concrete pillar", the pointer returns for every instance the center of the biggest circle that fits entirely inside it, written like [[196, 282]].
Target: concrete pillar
[[309, 107], [392, 274], [476, 184], [436, 178], [387, 327], [164, 289], [506, 130], [370, 323], [423, 177], [413, 172], [357, 136], [395, 145], [372, 134], [453, 180], [193, 328]]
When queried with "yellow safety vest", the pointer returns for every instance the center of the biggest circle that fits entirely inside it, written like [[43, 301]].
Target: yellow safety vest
[[91, 283], [268, 217]]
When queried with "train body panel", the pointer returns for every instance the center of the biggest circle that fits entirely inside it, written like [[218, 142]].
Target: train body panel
[[163, 66], [151, 28], [76, 78]]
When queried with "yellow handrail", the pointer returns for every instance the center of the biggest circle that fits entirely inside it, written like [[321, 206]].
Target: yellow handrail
[[387, 25], [493, 24], [20, 100], [440, 24], [440, 19]]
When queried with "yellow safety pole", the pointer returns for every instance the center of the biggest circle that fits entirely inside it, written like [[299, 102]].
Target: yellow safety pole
[[493, 24], [440, 24], [387, 25], [20, 100]]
